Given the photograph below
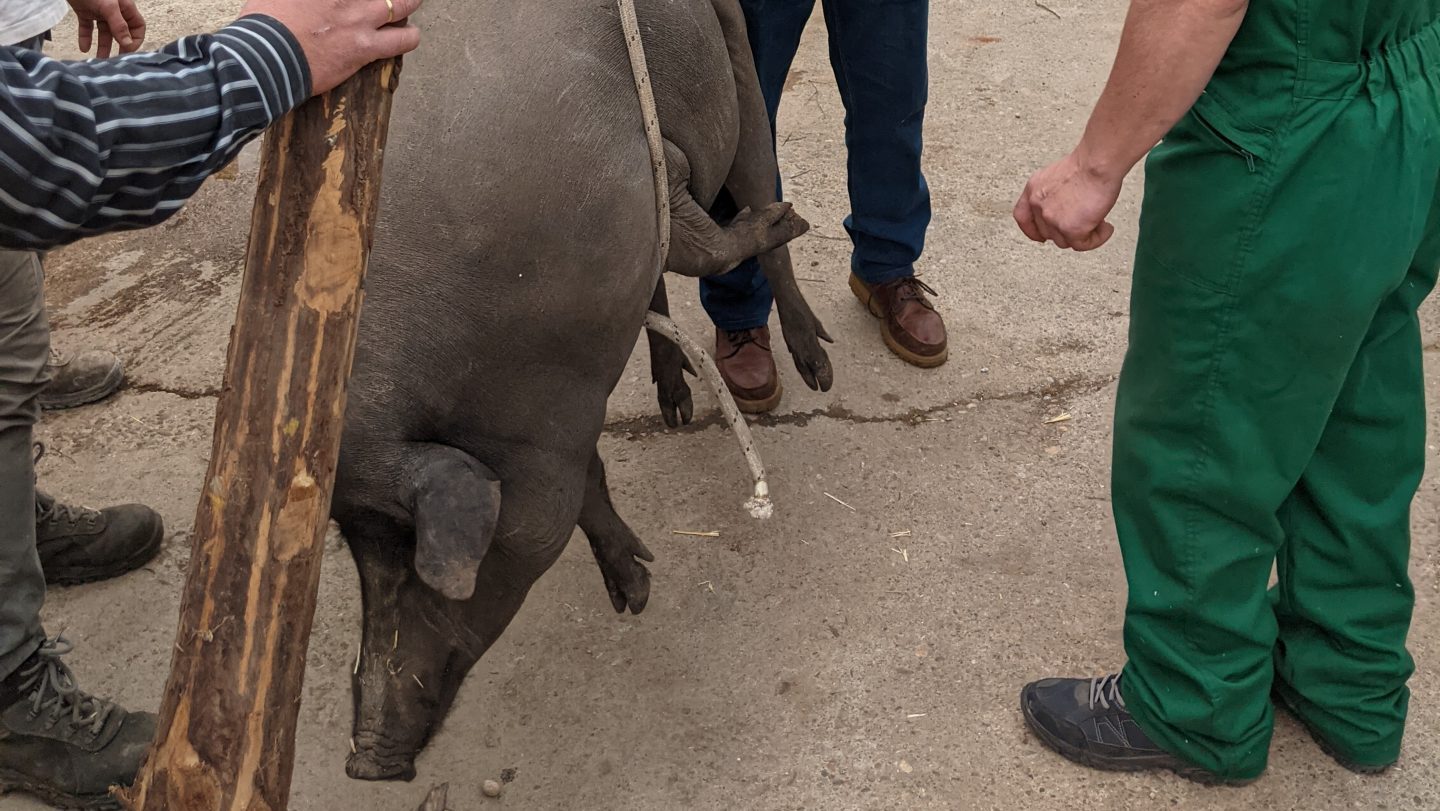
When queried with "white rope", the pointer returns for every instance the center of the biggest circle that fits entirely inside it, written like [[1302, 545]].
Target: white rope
[[759, 504], [631, 26]]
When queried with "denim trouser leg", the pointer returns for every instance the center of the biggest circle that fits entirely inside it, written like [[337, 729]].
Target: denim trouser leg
[[878, 53]]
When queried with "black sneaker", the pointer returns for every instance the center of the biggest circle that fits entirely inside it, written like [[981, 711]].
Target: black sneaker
[[80, 545], [1324, 744], [61, 744], [1086, 721]]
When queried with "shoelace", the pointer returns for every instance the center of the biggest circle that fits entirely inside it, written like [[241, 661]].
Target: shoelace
[[49, 510], [1105, 690], [910, 287], [56, 692], [56, 359], [739, 339], [65, 514]]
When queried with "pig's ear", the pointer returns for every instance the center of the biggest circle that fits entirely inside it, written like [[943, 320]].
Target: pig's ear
[[456, 503]]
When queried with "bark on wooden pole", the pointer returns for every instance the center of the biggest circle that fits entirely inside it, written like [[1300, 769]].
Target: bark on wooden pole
[[226, 740]]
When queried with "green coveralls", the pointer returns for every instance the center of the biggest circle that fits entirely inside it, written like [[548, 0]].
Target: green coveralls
[[1271, 405]]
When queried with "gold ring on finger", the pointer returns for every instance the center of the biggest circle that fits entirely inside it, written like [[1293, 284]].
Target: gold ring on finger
[[390, 5]]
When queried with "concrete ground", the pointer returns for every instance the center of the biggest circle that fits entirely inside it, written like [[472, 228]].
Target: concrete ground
[[813, 661]]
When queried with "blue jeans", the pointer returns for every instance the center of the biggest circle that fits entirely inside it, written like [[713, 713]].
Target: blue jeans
[[877, 50]]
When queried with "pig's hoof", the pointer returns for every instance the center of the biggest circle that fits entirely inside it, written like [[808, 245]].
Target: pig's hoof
[[368, 763], [668, 366], [629, 586], [773, 226], [803, 334], [626, 578], [676, 406]]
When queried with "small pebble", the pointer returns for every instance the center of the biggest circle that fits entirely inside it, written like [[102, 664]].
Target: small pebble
[[491, 788]]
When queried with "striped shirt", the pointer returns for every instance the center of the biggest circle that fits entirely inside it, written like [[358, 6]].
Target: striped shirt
[[116, 144]]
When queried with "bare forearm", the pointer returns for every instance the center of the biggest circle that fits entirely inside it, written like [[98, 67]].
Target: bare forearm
[[1168, 52]]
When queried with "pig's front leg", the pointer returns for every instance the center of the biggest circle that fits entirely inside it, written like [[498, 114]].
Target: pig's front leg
[[668, 366], [617, 549]]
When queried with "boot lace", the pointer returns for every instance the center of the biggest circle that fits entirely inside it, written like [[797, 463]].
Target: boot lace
[[1105, 691], [739, 338], [911, 288], [53, 513], [55, 692], [64, 516]]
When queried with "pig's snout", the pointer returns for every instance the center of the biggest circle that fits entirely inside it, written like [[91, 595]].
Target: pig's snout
[[379, 757]]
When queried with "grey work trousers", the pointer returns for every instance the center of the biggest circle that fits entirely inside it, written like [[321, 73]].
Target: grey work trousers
[[24, 349]]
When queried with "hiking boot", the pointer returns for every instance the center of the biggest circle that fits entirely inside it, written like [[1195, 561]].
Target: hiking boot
[[909, 323], [1328, 748], [84, 378], [80, 545], [1086, 721], [748, 367], [62, 744]]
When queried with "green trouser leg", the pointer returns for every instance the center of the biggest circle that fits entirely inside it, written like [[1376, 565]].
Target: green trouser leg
[[1344, 597], [1270, 284]]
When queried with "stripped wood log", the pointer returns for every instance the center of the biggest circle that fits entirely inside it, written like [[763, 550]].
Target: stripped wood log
[[226, 739]]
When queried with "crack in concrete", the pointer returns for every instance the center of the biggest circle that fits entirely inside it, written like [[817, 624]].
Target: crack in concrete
[[1058, 392], [184, 394], [637, 427]]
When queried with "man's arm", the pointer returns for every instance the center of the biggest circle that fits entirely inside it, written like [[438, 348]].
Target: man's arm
[[90, 147], [1168, 52], [93, 147]]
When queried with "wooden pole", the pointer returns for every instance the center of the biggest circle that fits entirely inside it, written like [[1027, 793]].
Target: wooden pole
[[226, 739]]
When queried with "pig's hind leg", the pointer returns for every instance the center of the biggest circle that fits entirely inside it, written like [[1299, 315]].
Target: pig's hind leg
[[752, 183], [700, 246]]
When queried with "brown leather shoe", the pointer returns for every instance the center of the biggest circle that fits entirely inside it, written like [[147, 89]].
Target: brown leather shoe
[[908, 321], [748, 368]]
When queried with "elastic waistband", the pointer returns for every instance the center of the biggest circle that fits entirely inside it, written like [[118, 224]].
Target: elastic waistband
[[1416, 58]]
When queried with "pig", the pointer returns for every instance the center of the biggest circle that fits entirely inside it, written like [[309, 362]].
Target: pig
[[515, 258]]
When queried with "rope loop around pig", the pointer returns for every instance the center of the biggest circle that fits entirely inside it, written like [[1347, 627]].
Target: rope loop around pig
[[759, 504]]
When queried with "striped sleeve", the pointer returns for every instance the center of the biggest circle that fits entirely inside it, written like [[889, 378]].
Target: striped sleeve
[[116, 144]]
